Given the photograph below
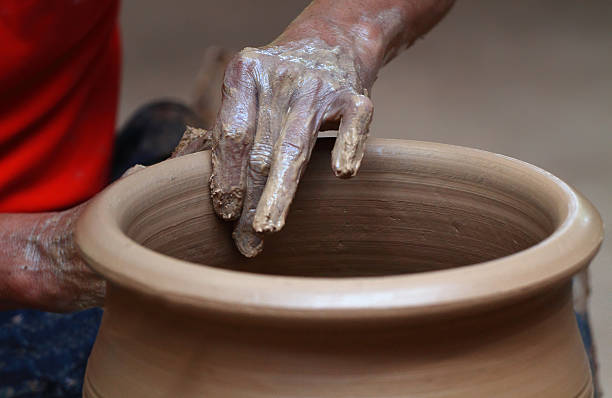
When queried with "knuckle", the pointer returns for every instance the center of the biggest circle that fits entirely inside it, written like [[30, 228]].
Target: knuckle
[[362, 103], [312, 85], [238, 71], [240, 62], [259, 164], [260, 158], [311, 80], [234, 135], [247, 53]]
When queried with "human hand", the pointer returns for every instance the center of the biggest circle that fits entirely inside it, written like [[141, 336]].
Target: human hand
[[275, 100]]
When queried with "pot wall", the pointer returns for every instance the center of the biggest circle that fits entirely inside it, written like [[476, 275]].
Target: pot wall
[[439, 271], [146, 348]]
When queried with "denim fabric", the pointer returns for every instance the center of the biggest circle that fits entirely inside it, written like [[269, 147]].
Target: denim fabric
[[44, 354]]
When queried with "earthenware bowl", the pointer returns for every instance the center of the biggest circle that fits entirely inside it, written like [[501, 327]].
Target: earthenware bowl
[[439, 271]]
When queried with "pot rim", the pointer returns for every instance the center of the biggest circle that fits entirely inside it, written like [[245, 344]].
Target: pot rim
[[123, 262]]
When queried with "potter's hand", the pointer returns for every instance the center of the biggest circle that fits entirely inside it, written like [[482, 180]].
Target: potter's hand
[[276, 98]]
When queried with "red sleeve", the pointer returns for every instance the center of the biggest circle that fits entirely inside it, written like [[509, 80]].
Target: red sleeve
[[59, 80]]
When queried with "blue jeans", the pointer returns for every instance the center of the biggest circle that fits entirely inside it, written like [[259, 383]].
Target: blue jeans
[[43, 354]]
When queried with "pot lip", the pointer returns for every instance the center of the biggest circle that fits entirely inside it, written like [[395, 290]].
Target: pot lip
[[132, 266]]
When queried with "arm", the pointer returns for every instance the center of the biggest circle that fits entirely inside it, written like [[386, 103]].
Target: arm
[[374, 31], [319, 72], [40, 267]]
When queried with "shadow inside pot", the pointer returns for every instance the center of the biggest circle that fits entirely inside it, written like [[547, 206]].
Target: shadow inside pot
[[397, 216]]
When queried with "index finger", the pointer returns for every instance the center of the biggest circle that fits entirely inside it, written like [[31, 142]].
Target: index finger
[[291, 154], [232, 139]]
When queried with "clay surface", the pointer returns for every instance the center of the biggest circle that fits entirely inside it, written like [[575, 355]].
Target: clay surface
[[438, 271]]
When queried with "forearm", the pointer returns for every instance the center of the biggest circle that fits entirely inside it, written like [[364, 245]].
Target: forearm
[[376, 30], [18, 249], [39, 264]]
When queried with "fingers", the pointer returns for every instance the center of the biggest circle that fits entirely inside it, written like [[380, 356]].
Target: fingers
[[194, 139], [232, 139], [348, 151], [291, 153], [249, 242]]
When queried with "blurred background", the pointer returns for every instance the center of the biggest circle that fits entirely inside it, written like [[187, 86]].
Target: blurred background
[[531, 80]]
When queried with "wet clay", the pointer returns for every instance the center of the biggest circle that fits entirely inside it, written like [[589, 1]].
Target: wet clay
[[283, 94], [317, 74], [437, 271]]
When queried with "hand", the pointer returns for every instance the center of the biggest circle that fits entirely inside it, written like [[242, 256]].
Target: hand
[[276, 98]]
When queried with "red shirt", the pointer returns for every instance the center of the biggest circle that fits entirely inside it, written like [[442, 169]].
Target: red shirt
[[59, 80]]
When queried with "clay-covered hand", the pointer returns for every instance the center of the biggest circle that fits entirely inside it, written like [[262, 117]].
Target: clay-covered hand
[[276, 98]]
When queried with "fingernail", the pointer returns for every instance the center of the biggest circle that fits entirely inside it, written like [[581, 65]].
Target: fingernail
[[266, 222], [346, 165], [227, 204], [247, 242], [267, 226], [342, 170]]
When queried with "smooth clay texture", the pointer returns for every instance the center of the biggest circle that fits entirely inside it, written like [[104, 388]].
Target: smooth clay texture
[[438, 271]]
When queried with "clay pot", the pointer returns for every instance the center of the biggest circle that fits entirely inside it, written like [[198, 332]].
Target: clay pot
[[439, 271]]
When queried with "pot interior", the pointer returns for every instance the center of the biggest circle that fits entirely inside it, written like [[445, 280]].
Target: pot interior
[[402, 214]]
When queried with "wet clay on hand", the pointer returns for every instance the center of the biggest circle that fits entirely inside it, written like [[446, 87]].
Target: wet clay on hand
[[41, 266], [276, 98], [284, 94]]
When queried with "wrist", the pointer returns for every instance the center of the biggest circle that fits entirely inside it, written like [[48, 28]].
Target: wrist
[[40, 264], [361, 43], [372, 31], [21, 261], [67, 281]]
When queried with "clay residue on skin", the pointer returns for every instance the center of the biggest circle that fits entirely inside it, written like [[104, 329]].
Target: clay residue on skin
[[248, 242], [194, 139], [226, 204], [43, 265], [232, 138], [349, 149], [277, 97], [296, 86], [78, 287]]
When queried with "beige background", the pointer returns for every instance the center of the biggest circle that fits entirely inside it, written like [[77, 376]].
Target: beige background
[[532, 80]]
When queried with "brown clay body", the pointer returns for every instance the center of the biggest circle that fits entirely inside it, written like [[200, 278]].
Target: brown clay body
[[439, 271]]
